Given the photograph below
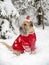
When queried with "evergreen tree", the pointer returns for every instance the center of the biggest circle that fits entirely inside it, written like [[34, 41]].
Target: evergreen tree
[[8, 12]]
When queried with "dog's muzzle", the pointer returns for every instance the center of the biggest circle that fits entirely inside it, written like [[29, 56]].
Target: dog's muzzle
[[23, 31]]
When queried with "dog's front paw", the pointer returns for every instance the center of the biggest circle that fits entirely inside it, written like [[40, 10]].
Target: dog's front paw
[[17, 53], [33, 52]]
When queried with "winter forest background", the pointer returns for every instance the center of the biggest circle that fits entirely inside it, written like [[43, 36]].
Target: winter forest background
[[13, 12]]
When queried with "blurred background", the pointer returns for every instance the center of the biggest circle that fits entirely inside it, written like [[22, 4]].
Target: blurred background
[[13, 13]]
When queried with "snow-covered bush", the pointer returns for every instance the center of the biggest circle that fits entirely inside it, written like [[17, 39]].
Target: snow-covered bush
[[8, 12]]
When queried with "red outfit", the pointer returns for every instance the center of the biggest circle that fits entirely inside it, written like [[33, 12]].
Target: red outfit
[[25, 43]]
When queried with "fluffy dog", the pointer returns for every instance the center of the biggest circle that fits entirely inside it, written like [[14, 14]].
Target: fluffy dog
[[26, 40]]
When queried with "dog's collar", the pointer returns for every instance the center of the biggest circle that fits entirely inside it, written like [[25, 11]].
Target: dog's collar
[[31, 32], [27, 34]]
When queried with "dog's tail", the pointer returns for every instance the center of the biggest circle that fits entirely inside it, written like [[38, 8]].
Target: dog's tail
[[5, 44]]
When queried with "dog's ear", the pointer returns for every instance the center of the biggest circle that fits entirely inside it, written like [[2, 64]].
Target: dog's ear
[[31, 23]]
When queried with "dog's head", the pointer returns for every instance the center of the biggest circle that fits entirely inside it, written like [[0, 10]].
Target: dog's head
[[26, 27]]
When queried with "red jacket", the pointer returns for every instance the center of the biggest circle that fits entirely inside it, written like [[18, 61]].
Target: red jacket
[[25, 43]]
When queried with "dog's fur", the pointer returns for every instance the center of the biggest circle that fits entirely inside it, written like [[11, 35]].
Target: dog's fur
[[26, 28]]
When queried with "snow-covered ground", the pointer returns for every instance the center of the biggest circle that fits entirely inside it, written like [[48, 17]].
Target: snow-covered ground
[[40, 58]]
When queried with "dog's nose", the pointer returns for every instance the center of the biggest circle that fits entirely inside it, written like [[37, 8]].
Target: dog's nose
[[20, 28]]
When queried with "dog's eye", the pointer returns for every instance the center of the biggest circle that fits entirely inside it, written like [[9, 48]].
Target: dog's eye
[[24, 24]]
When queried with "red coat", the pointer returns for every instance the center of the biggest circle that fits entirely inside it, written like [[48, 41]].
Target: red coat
[[25, 43]]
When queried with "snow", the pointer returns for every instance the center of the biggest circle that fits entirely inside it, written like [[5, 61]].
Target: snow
[[7, 8], [40, 58]]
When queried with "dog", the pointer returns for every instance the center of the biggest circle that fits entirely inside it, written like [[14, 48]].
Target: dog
[[26, 41]]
